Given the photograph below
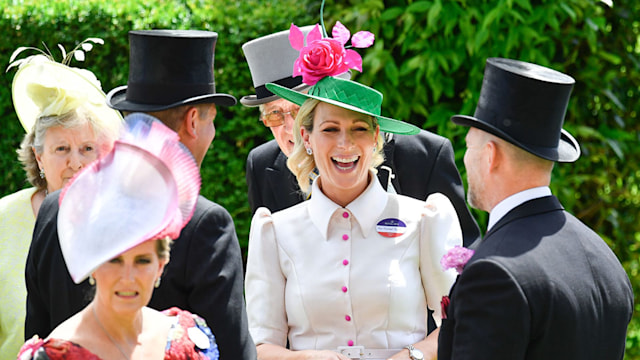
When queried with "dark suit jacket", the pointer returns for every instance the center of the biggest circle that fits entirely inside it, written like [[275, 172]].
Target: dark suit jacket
[[541, 285], [204, 276], [423, 164]]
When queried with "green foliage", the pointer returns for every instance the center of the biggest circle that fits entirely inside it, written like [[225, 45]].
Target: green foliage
[[428, 60], [32, 23]]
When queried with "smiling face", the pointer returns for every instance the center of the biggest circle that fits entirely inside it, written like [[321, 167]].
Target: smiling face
[[342, 142], [125, 283], [65, 152]]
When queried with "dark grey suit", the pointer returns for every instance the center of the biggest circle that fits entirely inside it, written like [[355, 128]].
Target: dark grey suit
[[423, 164], [541, 285], [204, 276]]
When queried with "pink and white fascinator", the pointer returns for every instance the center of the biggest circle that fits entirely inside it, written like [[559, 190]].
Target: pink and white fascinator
[[146, 188]]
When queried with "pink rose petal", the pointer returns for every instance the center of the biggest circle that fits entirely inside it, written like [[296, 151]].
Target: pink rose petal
[[353, 60], [362, 39], [296, 38], [314, 35], [341, 33]]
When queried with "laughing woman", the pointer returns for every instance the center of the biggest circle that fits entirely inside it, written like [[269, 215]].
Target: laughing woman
[[352, 272]]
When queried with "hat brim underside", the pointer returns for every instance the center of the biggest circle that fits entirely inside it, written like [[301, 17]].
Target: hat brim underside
[[117, 99], [568, 149], [386, 124]]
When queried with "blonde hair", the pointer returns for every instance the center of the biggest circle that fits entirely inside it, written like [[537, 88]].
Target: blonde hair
[[33, 142], [301, 164], [163, 248]]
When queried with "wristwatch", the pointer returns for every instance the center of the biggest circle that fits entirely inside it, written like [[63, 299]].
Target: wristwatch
[[414, 353]]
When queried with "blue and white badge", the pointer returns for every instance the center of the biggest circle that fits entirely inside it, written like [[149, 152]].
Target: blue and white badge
[[199, 338], [391, 227]]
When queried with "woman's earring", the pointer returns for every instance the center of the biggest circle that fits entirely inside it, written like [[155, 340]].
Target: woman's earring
[[157, 284], [41, 173], [92, 280], [309, 151], [374, 150]]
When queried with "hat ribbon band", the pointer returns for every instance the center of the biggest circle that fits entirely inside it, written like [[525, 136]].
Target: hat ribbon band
[[288, 82], [166, 93]]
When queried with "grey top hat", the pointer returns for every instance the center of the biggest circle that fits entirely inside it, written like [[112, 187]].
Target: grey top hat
[[169, 68], [525, 104], [270, 59]]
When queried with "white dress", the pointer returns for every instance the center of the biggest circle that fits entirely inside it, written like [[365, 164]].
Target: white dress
[[324, 276]]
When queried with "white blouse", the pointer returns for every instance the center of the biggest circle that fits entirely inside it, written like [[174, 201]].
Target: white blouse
[[324, 276]]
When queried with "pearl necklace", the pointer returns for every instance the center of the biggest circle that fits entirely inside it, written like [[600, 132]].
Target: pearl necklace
[[107, 333]]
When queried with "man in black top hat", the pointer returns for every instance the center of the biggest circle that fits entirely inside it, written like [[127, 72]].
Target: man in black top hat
[[170, 77], [541, 284], [415, 165]]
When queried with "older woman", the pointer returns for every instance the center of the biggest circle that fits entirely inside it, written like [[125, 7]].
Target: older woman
[[68, 126], [351, 272], [119, 238]]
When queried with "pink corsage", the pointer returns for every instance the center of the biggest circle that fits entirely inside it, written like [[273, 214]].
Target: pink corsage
[[456, 258], [327, 56]]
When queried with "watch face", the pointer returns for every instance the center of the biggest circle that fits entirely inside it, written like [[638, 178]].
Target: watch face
[[416, 354]]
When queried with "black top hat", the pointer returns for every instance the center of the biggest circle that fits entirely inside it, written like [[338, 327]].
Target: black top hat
[[169, 68], [525, 104]]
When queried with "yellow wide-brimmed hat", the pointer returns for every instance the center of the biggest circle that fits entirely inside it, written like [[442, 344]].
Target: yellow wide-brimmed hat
[[43, 87]]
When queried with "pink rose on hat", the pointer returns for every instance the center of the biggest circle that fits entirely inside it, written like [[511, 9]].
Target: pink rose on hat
[[327, 56]]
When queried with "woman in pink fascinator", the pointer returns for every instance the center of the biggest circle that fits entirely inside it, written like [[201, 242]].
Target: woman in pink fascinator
[[116, 221]]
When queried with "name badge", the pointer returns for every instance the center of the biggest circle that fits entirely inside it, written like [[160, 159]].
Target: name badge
[[391, 227]]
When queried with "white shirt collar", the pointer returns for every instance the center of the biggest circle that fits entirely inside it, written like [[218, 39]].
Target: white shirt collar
[[365, 209], [509, 203]]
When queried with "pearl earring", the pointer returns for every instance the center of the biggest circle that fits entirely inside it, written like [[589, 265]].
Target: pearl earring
[[41, 173], [309, 151], [92, 280], [157, 284]]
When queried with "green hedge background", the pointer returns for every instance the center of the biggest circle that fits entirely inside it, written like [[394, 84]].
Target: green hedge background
[[428, 60]]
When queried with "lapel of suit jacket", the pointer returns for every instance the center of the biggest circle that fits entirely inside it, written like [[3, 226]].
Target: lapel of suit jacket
[[383, 175], [528, 208], [282, 183]]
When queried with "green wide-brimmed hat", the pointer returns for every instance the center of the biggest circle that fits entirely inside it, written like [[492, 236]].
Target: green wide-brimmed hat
[[349, 95]]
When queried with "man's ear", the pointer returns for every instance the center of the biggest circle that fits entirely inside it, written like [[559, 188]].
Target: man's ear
[[494, 155], [189, 124]]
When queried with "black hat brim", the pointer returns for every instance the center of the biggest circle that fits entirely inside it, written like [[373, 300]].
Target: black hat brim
[[568, 149], [117, 99], [253, 100]]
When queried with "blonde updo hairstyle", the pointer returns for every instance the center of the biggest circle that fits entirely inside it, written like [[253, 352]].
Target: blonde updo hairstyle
[[163, 248], [33, 142], [301, 164]]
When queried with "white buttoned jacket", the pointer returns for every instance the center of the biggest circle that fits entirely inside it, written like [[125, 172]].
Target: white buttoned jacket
[[324, 276]]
